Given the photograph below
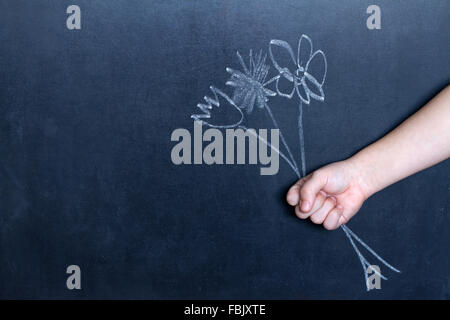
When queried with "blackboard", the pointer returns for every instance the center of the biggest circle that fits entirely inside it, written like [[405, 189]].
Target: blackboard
[[86, 176]]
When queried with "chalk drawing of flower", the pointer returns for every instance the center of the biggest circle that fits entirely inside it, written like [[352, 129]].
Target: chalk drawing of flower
[[250, 90], [306, 79], [303, 82], [219, 100], [248, 85]]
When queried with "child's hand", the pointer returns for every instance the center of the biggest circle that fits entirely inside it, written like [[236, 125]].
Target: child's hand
[[330, 195], [334, 193]]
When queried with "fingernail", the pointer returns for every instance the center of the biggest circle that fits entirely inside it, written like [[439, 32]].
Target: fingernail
[[305, 205]]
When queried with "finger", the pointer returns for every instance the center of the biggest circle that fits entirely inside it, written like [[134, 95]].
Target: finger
[[319, 216], [332, 220], [293, 195], [318, 203], [310, 189]]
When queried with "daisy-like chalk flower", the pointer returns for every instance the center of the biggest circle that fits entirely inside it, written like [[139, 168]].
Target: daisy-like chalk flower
[[306, 84], [249, 90]]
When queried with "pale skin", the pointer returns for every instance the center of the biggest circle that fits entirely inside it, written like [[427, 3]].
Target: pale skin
[[333, 194]]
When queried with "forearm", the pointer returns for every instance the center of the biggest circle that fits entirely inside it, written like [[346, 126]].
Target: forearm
[[418, 143]]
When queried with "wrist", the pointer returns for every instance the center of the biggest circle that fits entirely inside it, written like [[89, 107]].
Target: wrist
[[364, 174]]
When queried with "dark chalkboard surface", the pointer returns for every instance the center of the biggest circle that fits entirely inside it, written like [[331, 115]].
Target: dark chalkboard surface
[[86, 176]]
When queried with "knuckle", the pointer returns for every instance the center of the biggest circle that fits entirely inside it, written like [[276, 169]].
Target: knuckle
[[318, 202], [315, 218], [330, 201], [321, 196]]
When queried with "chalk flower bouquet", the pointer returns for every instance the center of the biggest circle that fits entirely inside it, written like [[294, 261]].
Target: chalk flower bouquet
[[300, 79]]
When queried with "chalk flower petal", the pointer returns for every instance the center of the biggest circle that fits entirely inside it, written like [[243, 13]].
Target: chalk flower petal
[[317, 66], [313, 87], [304, 51], [283, 82], [285, 49], [249, 90], [302, 92]]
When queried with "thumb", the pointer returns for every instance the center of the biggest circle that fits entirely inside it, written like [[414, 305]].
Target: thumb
[[293, 195], [317, 180]]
